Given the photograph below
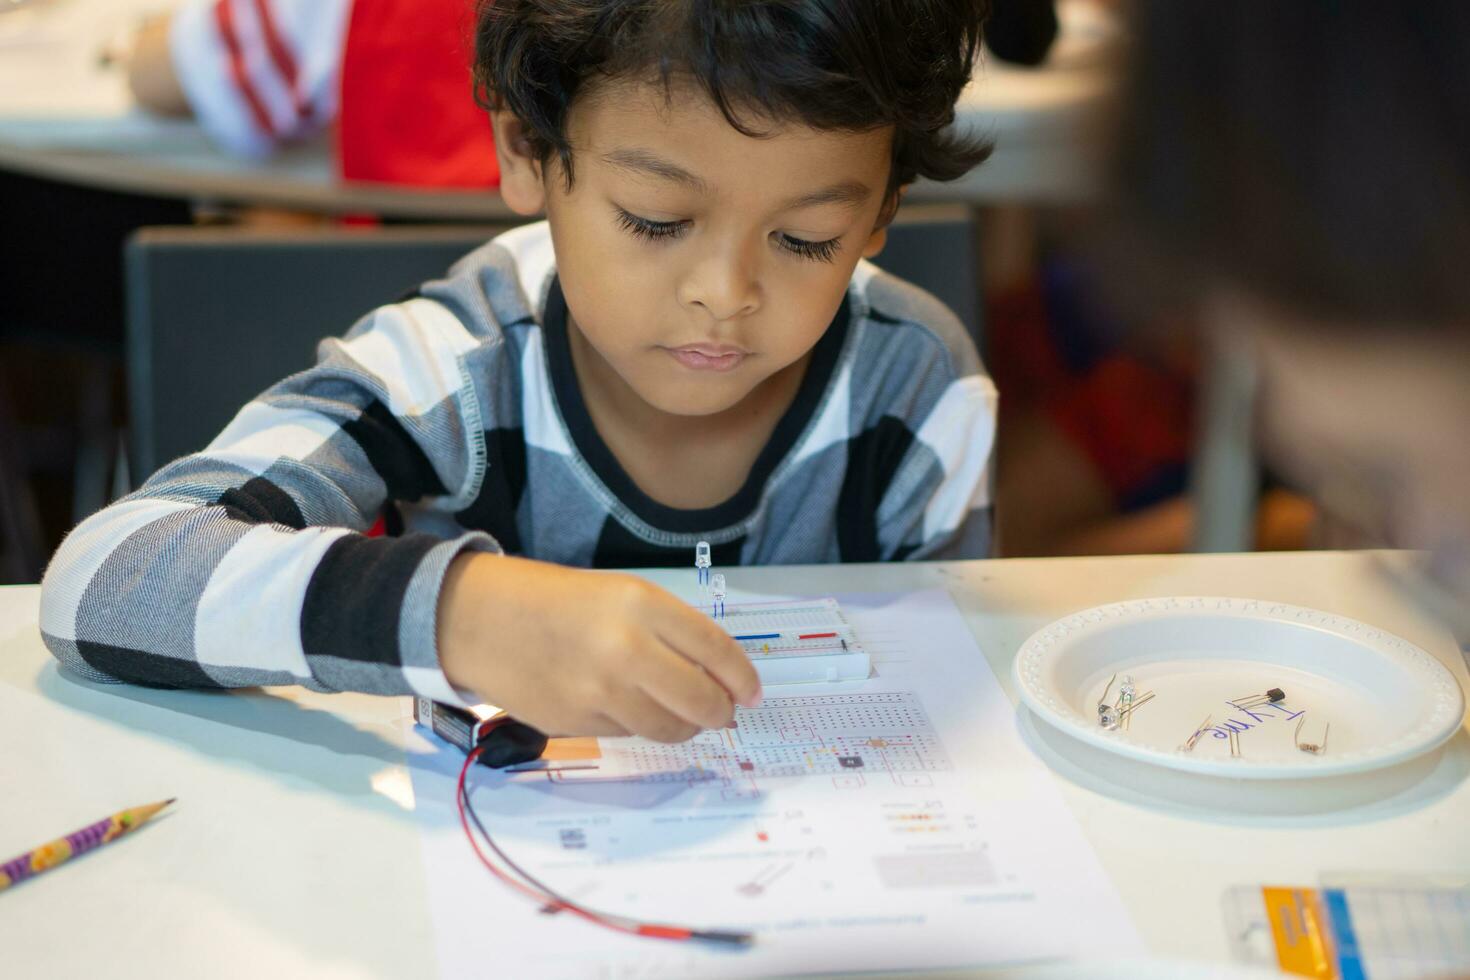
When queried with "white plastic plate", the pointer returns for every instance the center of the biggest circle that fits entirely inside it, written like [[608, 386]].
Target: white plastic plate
[[1386, 699]]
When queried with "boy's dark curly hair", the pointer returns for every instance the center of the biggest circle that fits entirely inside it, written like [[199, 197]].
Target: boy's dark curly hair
[[831, 64]]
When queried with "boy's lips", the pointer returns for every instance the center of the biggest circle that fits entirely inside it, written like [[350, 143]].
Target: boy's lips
[[708, 357]]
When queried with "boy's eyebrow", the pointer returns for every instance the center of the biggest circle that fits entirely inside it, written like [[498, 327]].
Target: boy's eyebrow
[[644, 162], [848, 193]]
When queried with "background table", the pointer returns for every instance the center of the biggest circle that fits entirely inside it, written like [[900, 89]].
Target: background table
[[66, 116], [292, 849]]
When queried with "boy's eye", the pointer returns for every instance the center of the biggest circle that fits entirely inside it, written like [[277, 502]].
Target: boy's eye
[[646, 228], [655, 230], [817, 251]]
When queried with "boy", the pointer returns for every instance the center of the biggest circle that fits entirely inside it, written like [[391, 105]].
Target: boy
[[688, 348]]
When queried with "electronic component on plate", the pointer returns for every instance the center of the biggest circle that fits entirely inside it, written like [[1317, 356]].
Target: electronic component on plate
[[1312, 748], [1199, 730], [1272, 696]]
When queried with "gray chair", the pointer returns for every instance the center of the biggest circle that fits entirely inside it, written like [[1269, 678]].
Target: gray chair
[[217, 315]]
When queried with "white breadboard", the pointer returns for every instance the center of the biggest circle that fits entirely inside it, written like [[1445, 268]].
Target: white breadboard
[[798, 642]]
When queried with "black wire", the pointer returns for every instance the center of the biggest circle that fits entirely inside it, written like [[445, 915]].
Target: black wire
[[533, 881], [623, 923]]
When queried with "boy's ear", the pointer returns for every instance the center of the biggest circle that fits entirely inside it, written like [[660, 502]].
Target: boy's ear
[[879, 237], [876, 241], [520, 170]]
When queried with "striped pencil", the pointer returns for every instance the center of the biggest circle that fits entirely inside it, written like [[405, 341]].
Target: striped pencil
[[56, 852]]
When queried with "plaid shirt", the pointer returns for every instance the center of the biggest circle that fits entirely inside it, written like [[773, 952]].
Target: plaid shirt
[[455, 418]]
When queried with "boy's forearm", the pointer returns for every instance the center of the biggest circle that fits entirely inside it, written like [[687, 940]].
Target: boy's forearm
[[167, 594], [247, 563], [151, 76]]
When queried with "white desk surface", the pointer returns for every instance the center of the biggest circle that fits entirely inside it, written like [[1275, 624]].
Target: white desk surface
[[292, 849], [65, 116]]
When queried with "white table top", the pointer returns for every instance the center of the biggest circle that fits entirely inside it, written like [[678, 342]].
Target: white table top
[[292, 848], [65, 116]]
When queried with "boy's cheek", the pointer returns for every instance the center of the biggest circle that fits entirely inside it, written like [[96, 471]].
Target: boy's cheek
[[604, 282], [615, 305]]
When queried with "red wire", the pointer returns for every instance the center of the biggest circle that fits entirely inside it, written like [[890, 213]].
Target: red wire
[[465, 823], [542, 897]]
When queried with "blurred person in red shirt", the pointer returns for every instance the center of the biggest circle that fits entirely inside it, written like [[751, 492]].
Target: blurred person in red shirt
[[393, 76]]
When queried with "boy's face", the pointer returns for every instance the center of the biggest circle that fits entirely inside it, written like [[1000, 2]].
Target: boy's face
[[698, 262]]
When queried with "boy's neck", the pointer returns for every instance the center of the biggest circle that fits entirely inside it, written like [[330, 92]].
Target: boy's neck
[[684, 461]]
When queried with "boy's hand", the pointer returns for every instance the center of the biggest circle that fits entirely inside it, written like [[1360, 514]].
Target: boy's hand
[[587, 653]]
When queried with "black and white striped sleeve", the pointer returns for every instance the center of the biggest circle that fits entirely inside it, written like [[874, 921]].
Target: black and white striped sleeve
[[938, 504], [247, 563]]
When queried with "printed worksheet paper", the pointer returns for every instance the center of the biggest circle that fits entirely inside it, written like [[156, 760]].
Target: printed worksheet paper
[[892, 823]]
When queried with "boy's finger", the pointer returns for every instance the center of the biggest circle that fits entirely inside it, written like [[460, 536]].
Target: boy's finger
[[700, 639], [642, 715], [685, 689]]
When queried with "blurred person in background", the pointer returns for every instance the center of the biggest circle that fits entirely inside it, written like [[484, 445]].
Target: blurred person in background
[[1096, 437], [1300, 172], [392, 76]]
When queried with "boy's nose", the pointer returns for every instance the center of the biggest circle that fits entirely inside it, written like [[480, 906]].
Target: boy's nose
[[723, 285]]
